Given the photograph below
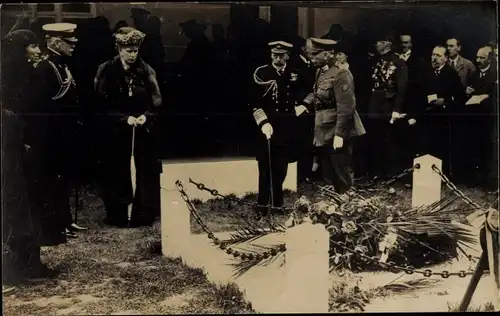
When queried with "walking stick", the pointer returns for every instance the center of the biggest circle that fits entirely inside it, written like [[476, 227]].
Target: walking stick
[[270, 170], [132, 174], [77, 203]]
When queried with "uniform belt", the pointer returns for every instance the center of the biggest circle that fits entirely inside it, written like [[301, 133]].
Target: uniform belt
[[321, 107]]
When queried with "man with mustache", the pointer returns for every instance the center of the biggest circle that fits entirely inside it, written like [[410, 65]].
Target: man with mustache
[[336, 120], [278, 89], [52, 127], [444, 93], [481, 119]]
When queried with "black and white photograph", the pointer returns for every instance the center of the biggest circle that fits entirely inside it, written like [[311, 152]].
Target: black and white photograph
[[249, 157]]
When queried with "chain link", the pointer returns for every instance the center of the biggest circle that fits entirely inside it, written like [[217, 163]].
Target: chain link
[[221, 243], [216, 193], [454, 188], [282, 248], [407, 269]]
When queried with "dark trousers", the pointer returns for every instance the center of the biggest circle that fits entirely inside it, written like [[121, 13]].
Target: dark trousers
[[336, 165], [23, 254], [382, 149], [407, 144], [473, 148], [438, 139], [278, 171]]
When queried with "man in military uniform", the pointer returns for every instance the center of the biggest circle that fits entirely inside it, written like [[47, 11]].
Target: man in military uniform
[[390, 80], [52, 124], [336, 120], [278, 89]]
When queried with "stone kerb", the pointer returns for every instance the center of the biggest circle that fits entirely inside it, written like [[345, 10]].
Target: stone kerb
[[264, 286]]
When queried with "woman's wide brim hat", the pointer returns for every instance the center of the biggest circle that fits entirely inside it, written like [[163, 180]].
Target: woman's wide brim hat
[[21, 37], [129, 36]]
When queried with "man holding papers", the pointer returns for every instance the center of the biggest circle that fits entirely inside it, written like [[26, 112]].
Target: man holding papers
[[479, 110], [445, 96]]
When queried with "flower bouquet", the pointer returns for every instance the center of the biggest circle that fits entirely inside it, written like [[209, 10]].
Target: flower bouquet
[[366, 230]]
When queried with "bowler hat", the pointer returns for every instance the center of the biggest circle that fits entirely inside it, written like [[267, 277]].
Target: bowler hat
[[192, 24], [137, 12]]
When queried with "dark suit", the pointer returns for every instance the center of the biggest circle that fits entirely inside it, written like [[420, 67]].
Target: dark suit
[[390, 83], [438, 119], [405, 136], [306, 121], [274, 98], [480, 121]]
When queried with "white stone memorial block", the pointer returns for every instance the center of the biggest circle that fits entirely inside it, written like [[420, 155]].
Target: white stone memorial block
[[175, 223], [307, 280], [426, 181]]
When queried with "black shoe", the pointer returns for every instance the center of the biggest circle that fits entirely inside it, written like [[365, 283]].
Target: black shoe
[[8, 290], [74, 228], [70, 234], [40, 272]]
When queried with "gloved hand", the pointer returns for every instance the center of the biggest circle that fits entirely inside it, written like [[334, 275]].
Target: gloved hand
[[338, 142], [132, 121], [300, 109], [141, 120], [267, 130]]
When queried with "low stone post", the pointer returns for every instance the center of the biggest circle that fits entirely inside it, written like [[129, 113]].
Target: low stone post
[[175, 223], [426, 182], [307, 277]]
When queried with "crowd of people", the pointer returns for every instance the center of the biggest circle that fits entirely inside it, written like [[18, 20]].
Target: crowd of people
[[61, 99]]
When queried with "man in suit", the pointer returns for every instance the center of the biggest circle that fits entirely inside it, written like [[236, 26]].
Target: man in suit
[[463, 66], [480, 116], [406, 131], [336, 121], [465, 69], [444, 93], [390, 84], [277, 90]]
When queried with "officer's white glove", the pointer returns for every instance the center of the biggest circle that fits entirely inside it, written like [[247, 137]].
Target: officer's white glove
[[267, 130], [141, 120], [396, 116], [412, 121], [299, 110], [338, 142], [131, 121]]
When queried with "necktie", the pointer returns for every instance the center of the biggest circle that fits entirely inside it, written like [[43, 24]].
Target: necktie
[[436, 72], [454, 64]]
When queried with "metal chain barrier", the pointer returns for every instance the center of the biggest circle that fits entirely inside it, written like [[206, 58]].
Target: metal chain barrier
[[324, 189], [216, 193], [454, 188], [223, 244], [407, 269], [374, 185]]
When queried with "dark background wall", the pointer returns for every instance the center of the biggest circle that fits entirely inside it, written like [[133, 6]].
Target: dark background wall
[[230, 132]]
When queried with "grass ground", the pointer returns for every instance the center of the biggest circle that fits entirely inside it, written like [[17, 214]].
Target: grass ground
[[119, 271]]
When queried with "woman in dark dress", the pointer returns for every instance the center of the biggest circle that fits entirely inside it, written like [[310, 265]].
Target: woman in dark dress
[[21, 255], [130, 96]]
